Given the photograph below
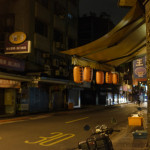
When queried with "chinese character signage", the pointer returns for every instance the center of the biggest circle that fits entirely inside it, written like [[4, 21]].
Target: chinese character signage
[[139, 69], [11, 63], [24, 47], [17, 37]]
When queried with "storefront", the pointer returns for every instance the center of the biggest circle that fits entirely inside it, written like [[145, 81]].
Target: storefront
[[10, 84], [9, 91], [54, 93]]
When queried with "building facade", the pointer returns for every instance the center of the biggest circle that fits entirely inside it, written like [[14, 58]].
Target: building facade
[[35, 76]]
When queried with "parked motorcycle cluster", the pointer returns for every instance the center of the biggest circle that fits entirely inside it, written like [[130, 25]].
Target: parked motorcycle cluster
[[98, 140]]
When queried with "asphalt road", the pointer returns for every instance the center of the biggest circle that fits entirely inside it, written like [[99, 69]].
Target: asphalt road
[[62, 131]]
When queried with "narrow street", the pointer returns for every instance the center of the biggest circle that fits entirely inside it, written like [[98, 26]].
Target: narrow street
[[63, 130]]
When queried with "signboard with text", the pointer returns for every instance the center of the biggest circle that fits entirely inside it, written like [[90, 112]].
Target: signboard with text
[[24, 47], [9, 83], [17, 37], [139, 69], [11, 63]]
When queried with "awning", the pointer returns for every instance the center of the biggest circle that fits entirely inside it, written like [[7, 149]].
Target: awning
[[53, 80], [122, 44], [9, 76]]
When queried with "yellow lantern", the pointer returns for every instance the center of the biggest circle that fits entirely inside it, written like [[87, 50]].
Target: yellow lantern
[[99, 77], [87, 74], [108, 77], [115, 78], [78, 74]]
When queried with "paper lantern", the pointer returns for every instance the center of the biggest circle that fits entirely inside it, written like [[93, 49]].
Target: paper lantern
[[99, 77], [108, 77], [87, 74], [78, 74], [115, 78]]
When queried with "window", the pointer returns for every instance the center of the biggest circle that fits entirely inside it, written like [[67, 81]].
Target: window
[[74, 2], [43, 3], [41, 28], [7, 23], [59, 10], [71, 43], [58, 36], [39, 58]]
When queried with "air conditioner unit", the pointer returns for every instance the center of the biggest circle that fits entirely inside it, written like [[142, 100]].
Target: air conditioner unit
[[57, 72], [46, 67], [46, 55], [57, 44], [62, 46], [55, 62]]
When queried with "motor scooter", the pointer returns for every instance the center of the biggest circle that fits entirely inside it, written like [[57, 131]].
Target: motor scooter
[[98, 140]]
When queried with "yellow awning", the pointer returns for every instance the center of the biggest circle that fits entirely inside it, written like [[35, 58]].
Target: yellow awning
[[123, 43]]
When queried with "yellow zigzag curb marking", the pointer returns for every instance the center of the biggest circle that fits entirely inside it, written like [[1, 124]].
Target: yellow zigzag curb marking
[[48, 141]]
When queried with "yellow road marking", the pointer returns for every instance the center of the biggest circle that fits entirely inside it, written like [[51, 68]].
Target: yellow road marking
[[63, 139], [48, 141], [77, 120], [58, 134]]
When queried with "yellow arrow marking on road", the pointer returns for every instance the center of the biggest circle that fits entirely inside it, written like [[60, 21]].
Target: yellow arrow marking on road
[[77, 120], [48, 141]]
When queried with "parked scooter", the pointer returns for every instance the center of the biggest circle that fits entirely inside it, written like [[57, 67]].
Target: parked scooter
[[99, 139]]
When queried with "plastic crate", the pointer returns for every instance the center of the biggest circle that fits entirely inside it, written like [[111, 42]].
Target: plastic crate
[[140, 134], [135, 121]]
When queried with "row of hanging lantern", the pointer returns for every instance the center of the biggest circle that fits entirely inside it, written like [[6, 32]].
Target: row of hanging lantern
[[81, 74]]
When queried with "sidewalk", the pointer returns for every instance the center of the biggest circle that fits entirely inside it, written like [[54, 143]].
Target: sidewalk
[[127, 142]]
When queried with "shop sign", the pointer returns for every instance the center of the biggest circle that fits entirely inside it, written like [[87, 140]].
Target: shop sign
[[15, 49], [139, 69], [11, 63], [17, 37], [9, 84]]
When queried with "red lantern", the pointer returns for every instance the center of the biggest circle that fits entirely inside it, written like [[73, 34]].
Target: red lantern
[[78, 74], [115, 78], [108, 77], [87, 74], [99, 77]]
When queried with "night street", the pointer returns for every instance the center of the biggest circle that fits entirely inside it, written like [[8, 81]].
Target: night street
[[62, 131]]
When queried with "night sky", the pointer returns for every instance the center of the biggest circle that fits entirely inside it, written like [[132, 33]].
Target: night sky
[[98, 6]]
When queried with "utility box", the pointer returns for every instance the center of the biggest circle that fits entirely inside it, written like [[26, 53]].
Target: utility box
[[135, 121]]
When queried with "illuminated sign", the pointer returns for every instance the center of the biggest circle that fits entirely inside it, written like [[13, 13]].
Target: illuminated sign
[[17, 37], [24, 47], [9, 84], [139, 68]]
